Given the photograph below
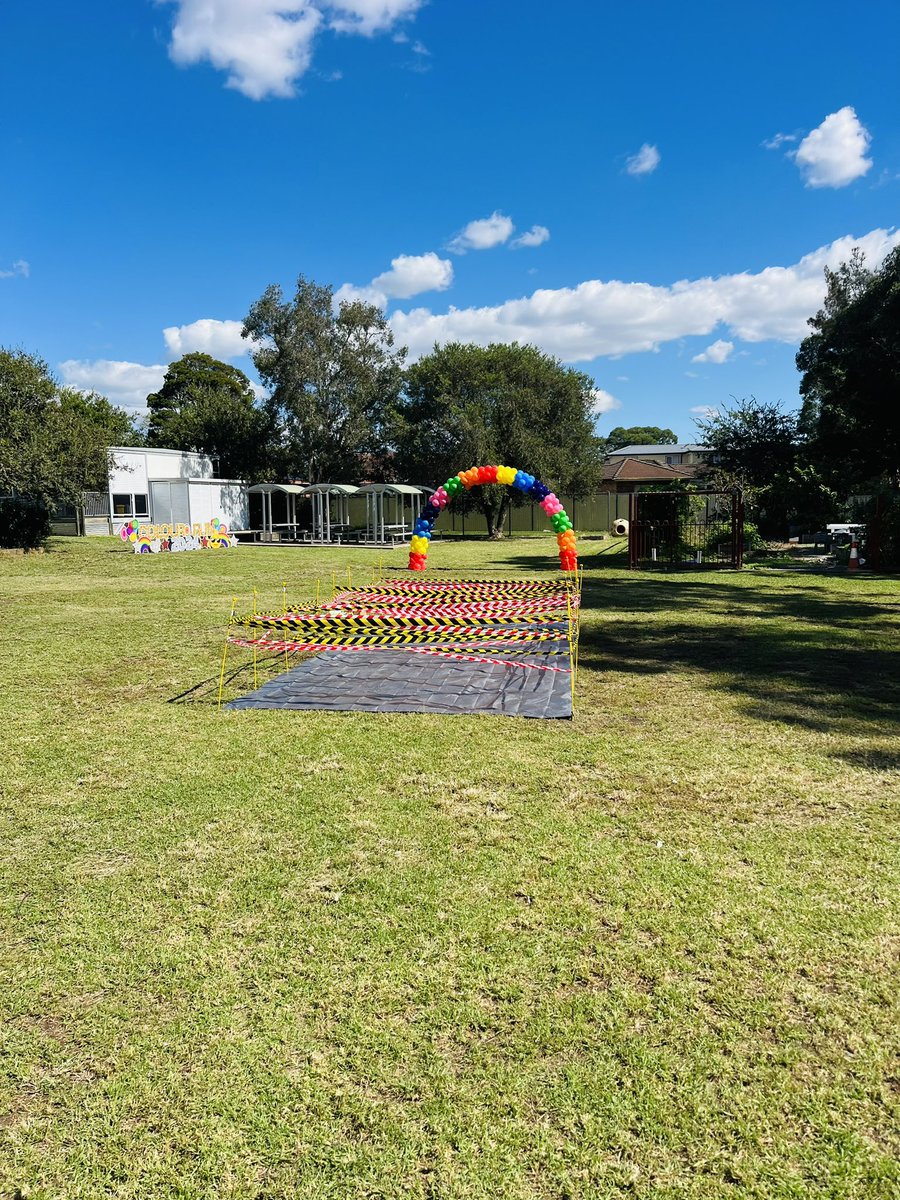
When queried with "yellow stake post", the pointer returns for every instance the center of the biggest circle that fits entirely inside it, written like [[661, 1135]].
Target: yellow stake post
[[571, 653], [225, 650], [255, 675], [284, 604]]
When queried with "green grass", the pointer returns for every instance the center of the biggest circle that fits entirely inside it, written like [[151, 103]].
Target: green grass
[[647, 953]]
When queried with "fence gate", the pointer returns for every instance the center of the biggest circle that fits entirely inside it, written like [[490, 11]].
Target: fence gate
[[686, 529]]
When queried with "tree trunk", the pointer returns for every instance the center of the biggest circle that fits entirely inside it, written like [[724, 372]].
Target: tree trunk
[[497, 519]]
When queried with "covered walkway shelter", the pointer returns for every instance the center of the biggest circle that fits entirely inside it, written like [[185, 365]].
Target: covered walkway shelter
[[391, 510], [271, 528], [330, 510]]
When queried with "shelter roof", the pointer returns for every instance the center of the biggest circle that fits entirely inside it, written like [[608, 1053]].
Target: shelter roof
[[330, 489], [392, 489], [292, 489]]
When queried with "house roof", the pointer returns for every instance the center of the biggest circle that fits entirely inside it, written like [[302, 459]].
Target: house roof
[[680, 448], [639, 470]]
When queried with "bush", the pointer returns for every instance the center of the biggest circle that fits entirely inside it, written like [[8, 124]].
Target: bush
[[24, 523]]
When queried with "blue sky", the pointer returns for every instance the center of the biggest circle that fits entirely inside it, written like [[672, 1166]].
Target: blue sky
[[649, 191]]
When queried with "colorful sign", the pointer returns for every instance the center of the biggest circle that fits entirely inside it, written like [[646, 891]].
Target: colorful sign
[[156, 539]]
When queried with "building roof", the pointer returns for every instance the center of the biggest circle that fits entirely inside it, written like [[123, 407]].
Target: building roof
[[639, 470], [680, 448]]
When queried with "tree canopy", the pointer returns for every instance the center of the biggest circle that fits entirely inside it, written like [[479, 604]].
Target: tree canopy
[[466, 405], [334, 374], [53, 442], [639, 435], [209, 406], [759, 448], [850, 365]]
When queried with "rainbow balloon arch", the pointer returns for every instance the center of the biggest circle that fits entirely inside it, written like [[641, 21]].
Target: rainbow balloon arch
[[522, 482]]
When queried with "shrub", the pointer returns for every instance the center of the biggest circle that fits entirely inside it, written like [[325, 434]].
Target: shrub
[[24, 523]]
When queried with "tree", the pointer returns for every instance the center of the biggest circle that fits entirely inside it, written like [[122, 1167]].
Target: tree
[[759, 448], [470, 405], [118, 427], [850, 365], [639, 435], [333, 375], [51, 450], [209, 406]]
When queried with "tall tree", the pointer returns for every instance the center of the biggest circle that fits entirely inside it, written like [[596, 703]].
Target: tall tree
[[639, 435], [209, 406], [468, 405], [759, 448], [850, 365], [334, 374], [118, 427], [48, 452]]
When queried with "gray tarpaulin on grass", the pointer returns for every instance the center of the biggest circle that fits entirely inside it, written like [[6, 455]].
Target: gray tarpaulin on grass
[[400, 681]]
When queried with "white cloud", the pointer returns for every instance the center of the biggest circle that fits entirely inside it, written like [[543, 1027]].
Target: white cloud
[[535, 236], [221, 339], [644, 162], [410, 274], [834, 154], [705, 410], [266, 45], [773, 143], [718, 352], [483, 234], [603, 402], [370, 16], [20, 267], [612, 317], [125, 383]]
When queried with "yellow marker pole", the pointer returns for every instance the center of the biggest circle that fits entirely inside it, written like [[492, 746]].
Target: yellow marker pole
[[571, 655], [225, 650], [333, 585], [284, 605], [255, 675], [349, 579]]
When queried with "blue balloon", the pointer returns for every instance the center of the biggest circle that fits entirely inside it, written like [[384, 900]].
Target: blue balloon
[[539, 490], [430, 511], [521, 481]]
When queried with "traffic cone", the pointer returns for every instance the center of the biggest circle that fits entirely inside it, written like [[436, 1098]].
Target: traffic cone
[[853, 564]]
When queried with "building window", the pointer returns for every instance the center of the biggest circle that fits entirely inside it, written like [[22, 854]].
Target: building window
[[672, 460], [126, 505]]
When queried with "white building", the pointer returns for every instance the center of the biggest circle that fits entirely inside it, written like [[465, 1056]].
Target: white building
[[159, 487]]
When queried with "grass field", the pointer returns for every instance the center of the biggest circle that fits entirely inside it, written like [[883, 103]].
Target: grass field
[[651, 952]]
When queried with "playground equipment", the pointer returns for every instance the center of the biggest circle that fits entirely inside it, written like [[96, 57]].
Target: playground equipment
[[522, 481]]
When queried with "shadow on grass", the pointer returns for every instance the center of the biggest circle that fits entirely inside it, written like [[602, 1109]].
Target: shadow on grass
[[797, 655], [238, 676]]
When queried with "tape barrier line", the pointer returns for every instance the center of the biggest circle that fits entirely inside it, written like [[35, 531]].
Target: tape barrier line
[[484, 637], [280, 647], [400, 624]]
